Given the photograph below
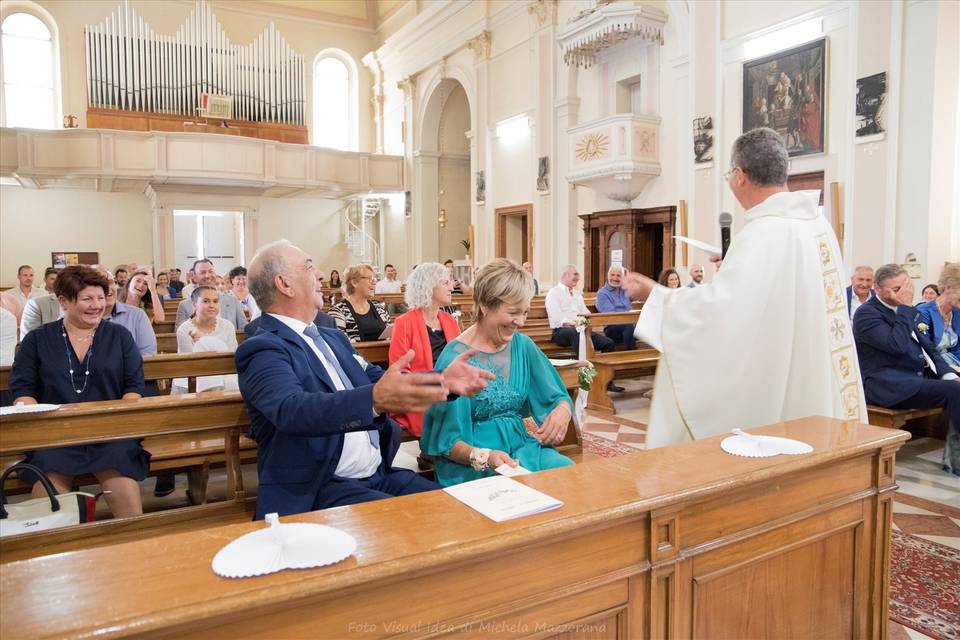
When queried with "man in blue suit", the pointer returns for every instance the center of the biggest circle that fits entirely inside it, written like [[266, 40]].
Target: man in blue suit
[[860, 289], [318, 411], [901, 368]]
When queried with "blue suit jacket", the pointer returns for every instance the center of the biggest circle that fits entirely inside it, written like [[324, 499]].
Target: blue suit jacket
[[930, 314], [850, 297], [297, 416], [891, 361], [323, 321]]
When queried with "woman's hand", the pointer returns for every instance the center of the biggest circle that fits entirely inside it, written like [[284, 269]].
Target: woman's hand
[[151, 283], [194, 335], [498, 458], [554, 427]]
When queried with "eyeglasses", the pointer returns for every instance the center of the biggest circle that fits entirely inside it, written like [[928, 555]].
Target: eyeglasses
[[726, 176]]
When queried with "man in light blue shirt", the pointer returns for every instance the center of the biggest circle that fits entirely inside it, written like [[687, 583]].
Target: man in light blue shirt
[[612, 298]]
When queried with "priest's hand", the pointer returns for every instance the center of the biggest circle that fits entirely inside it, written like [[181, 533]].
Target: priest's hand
[[396, 392], [638, 286], [464, 379], [716, 260], [554, 428]]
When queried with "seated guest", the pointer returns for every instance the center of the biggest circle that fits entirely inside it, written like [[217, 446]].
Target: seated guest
[[930, 292], [176, 285], [335, 279], [612, 298], [206, 276], [425, 328], [901, 366], [696, 275], [860, 289], [942, 315], [49, 277], [131, 318], [189, 286], [141, 292], [121, 274], [358, 315], [564, 305], [8, 336], [389, 284], [164, 292], [669, 278], [470, 437], [24, 289], [317, 410], [39, 311], [238, 280], [206, 321], [82, 359], [458, 286]]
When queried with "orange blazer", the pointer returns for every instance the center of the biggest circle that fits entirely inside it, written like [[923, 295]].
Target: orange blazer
[[410, 332]]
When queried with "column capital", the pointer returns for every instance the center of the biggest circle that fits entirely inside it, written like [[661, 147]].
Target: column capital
[[480, 45], [409, 86], [543, 12]]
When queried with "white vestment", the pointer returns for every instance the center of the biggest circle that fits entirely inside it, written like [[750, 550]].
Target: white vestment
[[767, 340]]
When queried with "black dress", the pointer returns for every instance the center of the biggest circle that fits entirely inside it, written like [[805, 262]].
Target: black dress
[[41, 370], [370, 324]]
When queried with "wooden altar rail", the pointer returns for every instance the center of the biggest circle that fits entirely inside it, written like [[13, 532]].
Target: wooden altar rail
[[682, 541]]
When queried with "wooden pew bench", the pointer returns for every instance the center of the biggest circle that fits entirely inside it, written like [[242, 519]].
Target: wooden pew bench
[[635, 363], [194, 428], [897, 418]]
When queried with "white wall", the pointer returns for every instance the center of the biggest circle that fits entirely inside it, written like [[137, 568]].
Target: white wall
[[312, 224], [36, 222]]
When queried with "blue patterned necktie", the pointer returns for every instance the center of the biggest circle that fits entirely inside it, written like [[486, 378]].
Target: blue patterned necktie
[[314, 334]]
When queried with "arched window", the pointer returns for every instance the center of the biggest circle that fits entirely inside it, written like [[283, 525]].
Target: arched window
[[335, 122], [30, 96]]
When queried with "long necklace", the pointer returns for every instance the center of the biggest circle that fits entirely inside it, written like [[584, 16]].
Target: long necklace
[[69, 350]]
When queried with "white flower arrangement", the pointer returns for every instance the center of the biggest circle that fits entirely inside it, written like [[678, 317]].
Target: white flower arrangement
[[923, 328]]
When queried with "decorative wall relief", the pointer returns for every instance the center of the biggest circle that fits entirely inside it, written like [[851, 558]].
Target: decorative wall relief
[[785, 91], [703, 140], [592, 146], [481, 188], [871, 107], [543, 174]]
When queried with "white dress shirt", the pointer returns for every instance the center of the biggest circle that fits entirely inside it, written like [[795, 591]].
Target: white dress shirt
[[388, 286], [359, 458], [856, 304], [18, 295], [564, 305]]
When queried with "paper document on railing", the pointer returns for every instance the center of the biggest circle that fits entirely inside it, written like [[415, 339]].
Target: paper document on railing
[[501, 498], [703, 246]]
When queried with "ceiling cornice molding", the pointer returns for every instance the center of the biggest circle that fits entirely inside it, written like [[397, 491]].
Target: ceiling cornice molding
[[276, 12]]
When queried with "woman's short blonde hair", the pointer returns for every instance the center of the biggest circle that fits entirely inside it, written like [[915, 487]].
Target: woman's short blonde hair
[[950, 276], [355, 272], [499, 282]]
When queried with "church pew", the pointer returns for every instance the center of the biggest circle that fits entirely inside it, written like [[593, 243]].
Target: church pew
[[681, 541], [167, 326], [898, 418], [188, 430], [616, 364]]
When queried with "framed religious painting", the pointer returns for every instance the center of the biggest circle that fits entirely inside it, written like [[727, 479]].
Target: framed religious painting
[[786, 92]]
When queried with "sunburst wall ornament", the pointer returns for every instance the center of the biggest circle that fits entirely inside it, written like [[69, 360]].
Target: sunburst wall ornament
[[592, 146]]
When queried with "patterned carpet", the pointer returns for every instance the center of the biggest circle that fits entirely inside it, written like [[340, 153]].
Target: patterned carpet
[[925, 586]]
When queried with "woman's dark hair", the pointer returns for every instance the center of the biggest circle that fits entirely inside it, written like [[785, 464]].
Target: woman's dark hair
[[75, 278], [665, 275], [935, 288], [236, 271], [335, 283], [195, 296], [146, 300]]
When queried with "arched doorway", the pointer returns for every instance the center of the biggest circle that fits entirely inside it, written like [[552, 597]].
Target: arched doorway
[[445, 173]]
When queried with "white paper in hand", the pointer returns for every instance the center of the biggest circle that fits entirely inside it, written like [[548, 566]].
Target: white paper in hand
[[297, 545], [507, 470], [703, 246], [753, 446], [501, 498]]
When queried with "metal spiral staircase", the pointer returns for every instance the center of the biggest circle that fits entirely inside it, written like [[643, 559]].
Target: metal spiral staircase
[[360, 216]]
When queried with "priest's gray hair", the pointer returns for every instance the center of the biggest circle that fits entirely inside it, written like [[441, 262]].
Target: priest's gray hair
[[762, 156], [887, 271], [420, 284], [266, 265]]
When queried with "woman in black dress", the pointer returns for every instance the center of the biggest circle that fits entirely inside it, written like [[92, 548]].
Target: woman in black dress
[[81, 359], [358, 315]]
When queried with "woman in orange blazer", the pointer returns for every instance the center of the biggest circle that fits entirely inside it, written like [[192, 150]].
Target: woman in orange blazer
[[425, 328]]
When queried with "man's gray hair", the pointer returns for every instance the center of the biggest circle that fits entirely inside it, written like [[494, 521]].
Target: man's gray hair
[[762, 156], [568, 268], [420, 284], [863, 267], [266, 265], [887, 271], [616, 267]]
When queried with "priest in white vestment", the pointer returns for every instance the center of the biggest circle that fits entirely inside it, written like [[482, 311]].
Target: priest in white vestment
[[769, 339]]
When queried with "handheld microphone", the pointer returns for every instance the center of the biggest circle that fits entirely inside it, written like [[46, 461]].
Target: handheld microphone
[[725, 221]]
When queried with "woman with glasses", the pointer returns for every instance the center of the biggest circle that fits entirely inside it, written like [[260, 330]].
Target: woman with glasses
[[358, 315]]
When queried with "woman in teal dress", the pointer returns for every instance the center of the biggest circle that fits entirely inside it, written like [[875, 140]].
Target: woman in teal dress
[[470, 437]]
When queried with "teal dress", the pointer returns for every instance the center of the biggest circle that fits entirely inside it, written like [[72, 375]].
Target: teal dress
[[526, 385]]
